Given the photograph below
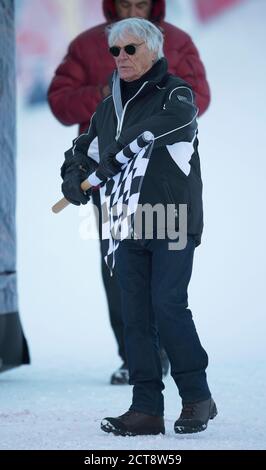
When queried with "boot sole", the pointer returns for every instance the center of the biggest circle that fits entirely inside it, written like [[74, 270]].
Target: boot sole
[[190, 430], [107, 427], [117, 382]]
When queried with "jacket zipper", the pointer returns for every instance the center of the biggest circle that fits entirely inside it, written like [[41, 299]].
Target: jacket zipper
[[120, 122], [170, 196]]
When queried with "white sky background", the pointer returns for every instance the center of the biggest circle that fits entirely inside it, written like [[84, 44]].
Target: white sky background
[[62, 300]]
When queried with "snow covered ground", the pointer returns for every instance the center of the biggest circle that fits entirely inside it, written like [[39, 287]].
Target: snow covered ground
[[58, 404], [59, 401]]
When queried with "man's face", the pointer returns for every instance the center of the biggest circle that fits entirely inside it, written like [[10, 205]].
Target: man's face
[[133, 8], [132, 67]]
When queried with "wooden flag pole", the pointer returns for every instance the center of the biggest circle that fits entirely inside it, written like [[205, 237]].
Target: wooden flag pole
[[123, 157], [63, 203]]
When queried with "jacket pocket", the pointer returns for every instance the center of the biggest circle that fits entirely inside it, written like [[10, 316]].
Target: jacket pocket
[[182, 198], [169, 194]]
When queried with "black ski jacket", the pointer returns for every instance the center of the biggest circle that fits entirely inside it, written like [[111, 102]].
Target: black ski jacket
[[163, 105]]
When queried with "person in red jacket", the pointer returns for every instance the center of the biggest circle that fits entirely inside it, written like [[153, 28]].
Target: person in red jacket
[[81, 83]]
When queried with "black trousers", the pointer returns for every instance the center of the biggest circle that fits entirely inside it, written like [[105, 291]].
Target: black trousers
[[112, 290], [154, 282]]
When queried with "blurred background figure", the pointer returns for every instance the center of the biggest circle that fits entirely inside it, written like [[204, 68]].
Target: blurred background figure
[[80, 83]]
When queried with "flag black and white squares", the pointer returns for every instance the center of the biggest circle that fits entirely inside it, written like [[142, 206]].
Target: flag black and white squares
[[119, 202]]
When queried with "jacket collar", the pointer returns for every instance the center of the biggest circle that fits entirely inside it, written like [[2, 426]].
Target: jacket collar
[[153, 77]]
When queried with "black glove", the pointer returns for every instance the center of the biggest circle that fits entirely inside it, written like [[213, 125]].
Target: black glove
[[108, 165], [79, 161], [74, 170]]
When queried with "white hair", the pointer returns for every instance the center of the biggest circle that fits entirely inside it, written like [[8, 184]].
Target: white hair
[[139, 28]]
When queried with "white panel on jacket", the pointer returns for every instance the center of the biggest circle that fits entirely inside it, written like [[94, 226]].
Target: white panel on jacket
[[181, 153], [93, 150]]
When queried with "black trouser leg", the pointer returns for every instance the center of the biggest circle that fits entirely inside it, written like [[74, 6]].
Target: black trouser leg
[[171, 273], [133, 265], [112, 291]]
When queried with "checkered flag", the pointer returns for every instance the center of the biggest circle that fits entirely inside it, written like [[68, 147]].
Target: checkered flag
[[120, 196]]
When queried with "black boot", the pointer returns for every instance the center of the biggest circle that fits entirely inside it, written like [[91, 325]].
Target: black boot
[[120, 376], [133, 423], [195, 416]]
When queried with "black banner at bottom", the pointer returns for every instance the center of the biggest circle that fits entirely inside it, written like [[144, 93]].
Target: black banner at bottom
[[118, 458]]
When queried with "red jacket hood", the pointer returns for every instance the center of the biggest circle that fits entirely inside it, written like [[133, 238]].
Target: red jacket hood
[[157, 12]]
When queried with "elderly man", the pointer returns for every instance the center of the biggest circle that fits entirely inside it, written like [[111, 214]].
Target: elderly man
[[145, 97], [80, 83]]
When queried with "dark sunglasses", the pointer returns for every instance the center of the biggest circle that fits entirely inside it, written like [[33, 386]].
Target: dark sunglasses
[[130, 49]]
